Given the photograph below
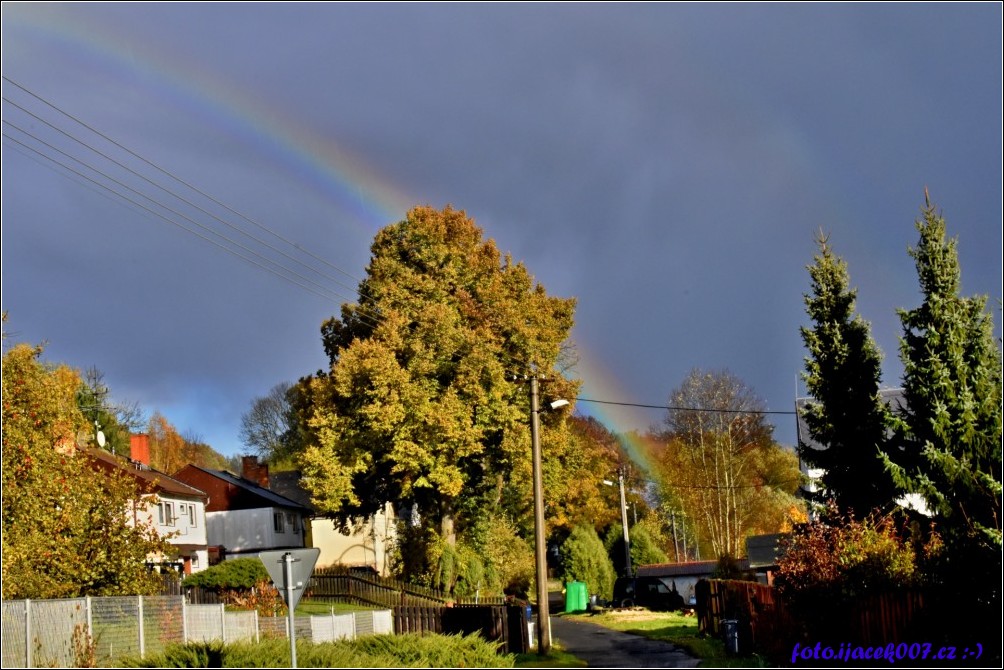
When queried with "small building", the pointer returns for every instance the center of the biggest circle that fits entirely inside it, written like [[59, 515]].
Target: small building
[[243, 516], [175, 509], [684, 576], [364, 545], [763, 552]]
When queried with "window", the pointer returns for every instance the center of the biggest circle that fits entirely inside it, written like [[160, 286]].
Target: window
[[165, 513], [280, 522], [192, 517], [291, 520], [195, 561]]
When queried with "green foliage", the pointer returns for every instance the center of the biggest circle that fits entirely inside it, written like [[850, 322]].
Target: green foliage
[[418, 405], [239, 573], [508, 558], [645, 549], [373, 651], [583, 558], [67, 525], [951, 435], [846, 416]]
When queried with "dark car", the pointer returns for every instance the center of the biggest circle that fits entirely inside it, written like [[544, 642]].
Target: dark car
[[650, 592]]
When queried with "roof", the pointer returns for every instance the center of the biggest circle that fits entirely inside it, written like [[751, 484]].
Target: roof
[[892, 397], [687, 569], [763, 550], [153, 481], [287, 484], [273, 498]]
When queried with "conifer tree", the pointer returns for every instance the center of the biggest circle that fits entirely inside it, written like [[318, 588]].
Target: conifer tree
[[846, 415], [952, 387]]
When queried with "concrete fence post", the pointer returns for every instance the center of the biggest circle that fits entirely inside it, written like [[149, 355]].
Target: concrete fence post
[[88, 618], [28, 660], [142, 632]]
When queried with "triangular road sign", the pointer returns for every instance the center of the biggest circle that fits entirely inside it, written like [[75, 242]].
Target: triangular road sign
[[302, 566]]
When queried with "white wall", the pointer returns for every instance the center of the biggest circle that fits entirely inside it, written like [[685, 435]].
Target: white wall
[[252, 530]]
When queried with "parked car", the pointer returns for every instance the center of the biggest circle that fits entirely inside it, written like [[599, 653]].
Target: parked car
[[650, 592]]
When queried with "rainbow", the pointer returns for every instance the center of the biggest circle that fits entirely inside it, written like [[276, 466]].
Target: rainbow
[[600, 383], [369, 200]]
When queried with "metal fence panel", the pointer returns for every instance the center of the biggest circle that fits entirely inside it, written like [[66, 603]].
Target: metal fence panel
[[57, 628], [163, 622], [383, 622], [115, 627], [15, 630], [204, 623], [240, 626], [331, 627]]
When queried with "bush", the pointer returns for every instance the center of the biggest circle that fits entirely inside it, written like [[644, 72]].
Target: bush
[[584, 559], [240, 573], [374, 651]]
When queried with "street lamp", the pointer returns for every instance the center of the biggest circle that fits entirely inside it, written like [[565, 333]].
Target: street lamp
[[624, 524], [543, 613]]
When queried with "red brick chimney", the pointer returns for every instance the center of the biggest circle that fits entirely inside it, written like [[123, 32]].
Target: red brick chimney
[[254, 471], [139, 448]]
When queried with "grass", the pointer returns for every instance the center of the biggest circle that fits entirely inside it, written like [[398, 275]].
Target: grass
[[556, 658], [672, 627], [318, 607]]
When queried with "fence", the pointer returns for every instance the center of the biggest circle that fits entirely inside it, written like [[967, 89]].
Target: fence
[[340, 584], [766, 625], [66, 633], [505, 624]]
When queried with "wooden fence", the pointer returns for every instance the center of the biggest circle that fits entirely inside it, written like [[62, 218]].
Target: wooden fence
[[767, 627], [339, 584], [505, 624]]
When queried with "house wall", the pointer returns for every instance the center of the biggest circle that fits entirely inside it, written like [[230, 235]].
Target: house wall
[[368, 544], [183, 531], [250, 530]]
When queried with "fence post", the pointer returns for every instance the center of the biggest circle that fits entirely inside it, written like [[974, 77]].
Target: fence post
[[184, 622], [142, 636], [257, 636], [223, 622], [28, 660], [87, 618]]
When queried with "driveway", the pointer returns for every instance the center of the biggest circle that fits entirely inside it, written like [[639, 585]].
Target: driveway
[[601, 647]]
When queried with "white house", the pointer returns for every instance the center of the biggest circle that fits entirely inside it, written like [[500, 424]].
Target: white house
[[176, 510], [244, 517]]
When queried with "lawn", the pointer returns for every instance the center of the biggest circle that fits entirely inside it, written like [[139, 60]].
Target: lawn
[[672, 627]]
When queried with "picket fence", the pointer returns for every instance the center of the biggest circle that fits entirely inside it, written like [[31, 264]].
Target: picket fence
[[64, 633]]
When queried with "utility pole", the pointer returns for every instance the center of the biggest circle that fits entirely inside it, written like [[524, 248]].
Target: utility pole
[[627, 540], [543, 614]]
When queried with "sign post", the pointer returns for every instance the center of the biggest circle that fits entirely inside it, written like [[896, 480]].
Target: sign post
[[290, 569]]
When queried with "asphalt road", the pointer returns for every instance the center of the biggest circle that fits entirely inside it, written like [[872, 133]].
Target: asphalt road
[[601, 647]]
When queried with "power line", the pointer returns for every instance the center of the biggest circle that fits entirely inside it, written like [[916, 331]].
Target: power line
[[165, 218], [182, 181], [685, 409], [363, 313]]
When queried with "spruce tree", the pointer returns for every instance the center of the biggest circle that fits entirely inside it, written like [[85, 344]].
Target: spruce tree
[[846, 416], [952, 386]]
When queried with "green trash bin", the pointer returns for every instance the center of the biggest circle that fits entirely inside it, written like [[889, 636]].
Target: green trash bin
[[576, 597]]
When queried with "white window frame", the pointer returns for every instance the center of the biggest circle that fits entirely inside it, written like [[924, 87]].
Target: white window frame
[[193, 518], [279, 522], [165, 513]]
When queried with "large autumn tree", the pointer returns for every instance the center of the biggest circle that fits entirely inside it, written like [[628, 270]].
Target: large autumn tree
[[67, 528], [723, 467], [846, 415], [421, 405]]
